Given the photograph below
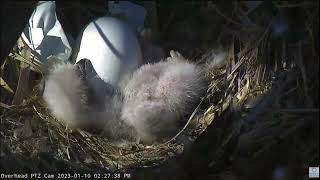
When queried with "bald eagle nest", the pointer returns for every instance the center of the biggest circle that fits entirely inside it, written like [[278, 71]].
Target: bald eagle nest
[[267, 92]]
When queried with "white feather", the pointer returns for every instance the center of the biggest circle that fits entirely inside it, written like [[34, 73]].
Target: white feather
[[216, 59]]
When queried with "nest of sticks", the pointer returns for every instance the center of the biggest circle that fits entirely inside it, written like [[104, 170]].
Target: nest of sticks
[[263, 103]]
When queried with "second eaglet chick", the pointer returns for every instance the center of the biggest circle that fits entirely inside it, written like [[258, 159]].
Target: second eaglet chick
[[159, 95], [87, 103]]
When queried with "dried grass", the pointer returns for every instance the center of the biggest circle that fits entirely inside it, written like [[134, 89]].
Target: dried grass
[[271, 85]]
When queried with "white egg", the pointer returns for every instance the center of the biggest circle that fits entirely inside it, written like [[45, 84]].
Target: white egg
[[112, 47]]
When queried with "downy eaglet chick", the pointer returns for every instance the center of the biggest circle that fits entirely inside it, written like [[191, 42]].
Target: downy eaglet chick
[[84, 102], [159, 95]]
